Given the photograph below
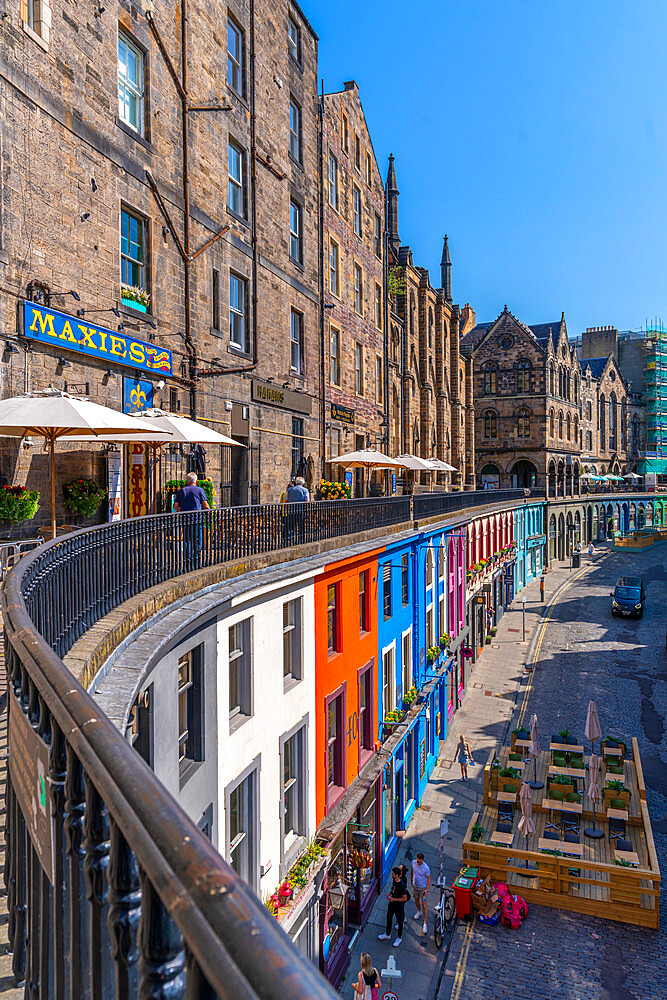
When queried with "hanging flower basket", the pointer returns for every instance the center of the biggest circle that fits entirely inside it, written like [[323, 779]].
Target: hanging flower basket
[[135, 298], [18, 504], [83, 496]]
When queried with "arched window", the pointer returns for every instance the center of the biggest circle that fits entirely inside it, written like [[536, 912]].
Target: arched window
[[576, 388], [429, 567], [589, 411], [576, 429], [566, 382], [560, 381], [568, 427], [523, 369], [523, 424], [490, 424], [430, 328], [552, 423], [612, 422], [560, 424], [552, 379], [603, 423], [441, 558], [489, 376], [589, 441], [624, 417]]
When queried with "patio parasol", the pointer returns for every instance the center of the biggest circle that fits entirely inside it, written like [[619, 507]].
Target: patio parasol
[[526, 825], [52, 415], [416, 464], [592, 730], [535, 750], [594, 794], [631, 475], [441, 466], [367, 458]]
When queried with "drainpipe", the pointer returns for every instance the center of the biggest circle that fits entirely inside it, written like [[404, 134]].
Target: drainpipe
[[323, 383]]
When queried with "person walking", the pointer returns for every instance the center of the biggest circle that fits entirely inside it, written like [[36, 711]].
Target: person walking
[[189, 500], [464, 756], [398, 896], [298, 493], [590, 551], [420, 877], [368, 982]]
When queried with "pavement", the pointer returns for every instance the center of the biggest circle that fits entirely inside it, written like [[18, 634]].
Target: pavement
[[485, 716]]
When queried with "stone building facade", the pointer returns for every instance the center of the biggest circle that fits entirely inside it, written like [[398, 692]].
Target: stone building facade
[[430, 400], [354, 286], [92, 198]]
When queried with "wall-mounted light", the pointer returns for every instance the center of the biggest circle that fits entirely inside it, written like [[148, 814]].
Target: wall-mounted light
[[109, 373], [85, 216], [160, 384], [64, 363], [11, 347]]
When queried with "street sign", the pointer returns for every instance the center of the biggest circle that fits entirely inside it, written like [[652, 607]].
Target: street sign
[[389, 996]]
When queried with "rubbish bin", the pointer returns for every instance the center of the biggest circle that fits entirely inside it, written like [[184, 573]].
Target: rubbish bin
[[463, 885], [576, 560]]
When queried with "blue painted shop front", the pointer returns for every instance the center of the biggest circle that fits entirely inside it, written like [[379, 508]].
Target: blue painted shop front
[[529, 540]]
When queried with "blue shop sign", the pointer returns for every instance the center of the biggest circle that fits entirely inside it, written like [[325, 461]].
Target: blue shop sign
[[71, 333], [537, 540], [137, 395]]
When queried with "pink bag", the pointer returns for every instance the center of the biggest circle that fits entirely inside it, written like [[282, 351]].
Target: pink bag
[[374, 993]]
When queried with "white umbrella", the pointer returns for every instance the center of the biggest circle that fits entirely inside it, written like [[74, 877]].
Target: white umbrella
[[416, 464], [594, 793], [53, 414], [366, 458], [442, 466], [169, 428], [526, 825], [631, 475], [592, 730], [535, 751]]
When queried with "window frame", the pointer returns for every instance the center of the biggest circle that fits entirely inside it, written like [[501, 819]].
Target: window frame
[[298, 447], [289, 852], [364, 601], [523, 423], [334, 643], [377, 235], [334, 249], [236, 184], [295, 136], [193, 736], [296, 235], [142, 263], [298, 343], [379, 378], [357, 152], [356, 210], [524, 370], [332, 180], [388, 681], [244, 710], [405, 579], [345, 133], [334, 334], [386, 591], [335, 788], [358, 368], [294, 47], [293, 641], [140, 95], [237, 61], [365, 715], [409, 680], [377, 302], [244, 347], [358, 291], [369, 170], [249, 780], [490, 425]]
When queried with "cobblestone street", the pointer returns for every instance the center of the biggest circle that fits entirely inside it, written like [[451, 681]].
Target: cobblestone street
[[622, 665]]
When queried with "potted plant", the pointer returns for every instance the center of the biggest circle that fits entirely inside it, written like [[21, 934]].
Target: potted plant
[[18, 503], [409, 698], [477, 833], [135, 298], [432, 654], [494, 630], [445, 640], [335, 491], [564, 734], [518, 734], [285, 893], [83, 496], [563, 783]]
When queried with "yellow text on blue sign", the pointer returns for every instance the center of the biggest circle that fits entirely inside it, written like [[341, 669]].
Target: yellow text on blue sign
[[71, 333]]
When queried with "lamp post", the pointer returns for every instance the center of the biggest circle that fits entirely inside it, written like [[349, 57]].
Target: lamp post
[[523, 615]]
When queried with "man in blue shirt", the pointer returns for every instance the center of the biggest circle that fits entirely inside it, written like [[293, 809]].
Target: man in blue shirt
[[297, 492], [189, 499], [191, 496]]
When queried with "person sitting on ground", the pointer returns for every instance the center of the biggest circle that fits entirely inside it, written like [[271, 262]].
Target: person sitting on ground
[[191, 496]]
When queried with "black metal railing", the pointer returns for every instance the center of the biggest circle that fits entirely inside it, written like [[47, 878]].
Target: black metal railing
[[118, 893], [432, 504]]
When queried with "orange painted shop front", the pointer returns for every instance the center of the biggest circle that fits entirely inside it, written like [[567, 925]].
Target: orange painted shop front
[[347, 774]]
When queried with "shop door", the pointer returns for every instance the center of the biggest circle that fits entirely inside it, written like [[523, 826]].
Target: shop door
[[239, 474], [359, 474], [388, 793]]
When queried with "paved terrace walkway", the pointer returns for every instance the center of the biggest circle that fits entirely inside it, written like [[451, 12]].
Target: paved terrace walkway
[[484, 717]]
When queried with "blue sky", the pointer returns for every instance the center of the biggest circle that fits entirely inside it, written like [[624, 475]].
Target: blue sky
[[532, 133]]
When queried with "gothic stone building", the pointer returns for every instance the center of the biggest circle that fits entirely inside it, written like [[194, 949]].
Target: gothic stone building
[[429, 384], [93, 226], [354, 299]]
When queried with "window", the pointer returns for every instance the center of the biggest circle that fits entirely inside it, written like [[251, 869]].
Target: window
[[489, 388], [442, 620], [369, 169], [335, 741], [589, 440], [130, 81], [236, 196], [334, 355], [295, 247], [132, 255], [215, 299], [363, 601], [293, 792], [345, 133], [358, 290], [296, 342], [333, 181], [388, 680], [377, 234], [243, 827], [430, 630], [405, 585], [523, 424], [523, 376], [568, 427], [378, 307], [297, 443], [430, 568], [295, 130], [139, 729], [294, 39], [552, 423], [441, 559], [234, 56], [386, 590], [560, 424], [240, 671], [334, 442], [356, 209], [589, 411], [490, 424], [357, 152], [407, 661], [36, 15], [332, 618], [333, 268], [238, 326], [379, 380], [366, 738], [359, 369], [292, 640], [190, 706]]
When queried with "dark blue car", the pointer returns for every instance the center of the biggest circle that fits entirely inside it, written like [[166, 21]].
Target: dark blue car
[[628, 597]]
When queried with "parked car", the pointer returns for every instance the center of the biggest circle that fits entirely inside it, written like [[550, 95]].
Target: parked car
[[628, 597]]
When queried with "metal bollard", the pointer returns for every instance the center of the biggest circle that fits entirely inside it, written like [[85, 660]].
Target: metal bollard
[[542, 589]]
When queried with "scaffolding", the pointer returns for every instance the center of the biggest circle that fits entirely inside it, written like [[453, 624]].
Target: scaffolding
[[655, 348]]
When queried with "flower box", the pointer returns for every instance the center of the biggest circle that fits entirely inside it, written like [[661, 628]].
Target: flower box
[[132, 304]]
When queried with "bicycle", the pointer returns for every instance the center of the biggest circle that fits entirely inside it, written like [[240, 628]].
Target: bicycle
[[445, 910]]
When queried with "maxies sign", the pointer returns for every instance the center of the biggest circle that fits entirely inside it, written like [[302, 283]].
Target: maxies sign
[[70, 333]]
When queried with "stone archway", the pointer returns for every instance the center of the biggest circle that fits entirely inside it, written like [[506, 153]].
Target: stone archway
[[569, 534], [593, 515], [552, 478], [632, 517], [641, 516], [523, 475], [625, 519], [577, 527], [552, 537], [561, 537]]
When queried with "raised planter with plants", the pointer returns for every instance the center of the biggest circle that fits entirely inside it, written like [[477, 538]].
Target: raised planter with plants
[[83, 497], [477, 833], [432, 654], [519, 734], [510, 776], [18, 503], [562, 783], [135, 298], [335, 491], [409, 698], [445, 640], [293, 886]]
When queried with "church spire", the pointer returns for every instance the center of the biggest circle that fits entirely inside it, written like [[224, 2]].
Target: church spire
[[392, 206], [446, 272]]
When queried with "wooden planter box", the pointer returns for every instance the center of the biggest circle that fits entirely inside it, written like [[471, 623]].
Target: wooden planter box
[[514, 782], [525, 736], [557, 787], [610, 793]]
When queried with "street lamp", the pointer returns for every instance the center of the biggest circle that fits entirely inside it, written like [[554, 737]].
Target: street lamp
[[523, 614]]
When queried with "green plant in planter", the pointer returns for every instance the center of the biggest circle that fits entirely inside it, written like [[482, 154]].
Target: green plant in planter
[[445, 640], [509, 772], [623, 864], [520, 732], [477, 832], [564, 733], [17, 503], [556, 854], [393, 716], [616, 785], [432, 653], [410, 697], [131, 293], [560, 779], [494, 630], [174, 485], [83, 496]]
